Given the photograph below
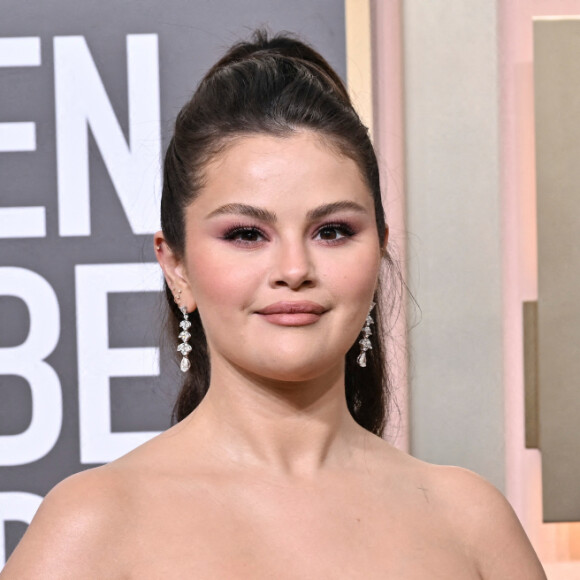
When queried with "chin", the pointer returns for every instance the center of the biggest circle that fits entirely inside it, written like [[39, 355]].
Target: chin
[[294, 375], [300, 369], [286, 363]]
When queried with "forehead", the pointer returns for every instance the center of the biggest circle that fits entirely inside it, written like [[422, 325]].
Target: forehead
[[302, 168]]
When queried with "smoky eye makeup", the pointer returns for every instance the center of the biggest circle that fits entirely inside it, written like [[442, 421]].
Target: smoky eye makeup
[[329, 233], [244, 234], [335, 231], [328, 230]]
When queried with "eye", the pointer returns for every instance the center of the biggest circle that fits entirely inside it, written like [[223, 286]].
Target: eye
[[334, 232], [244, 235]]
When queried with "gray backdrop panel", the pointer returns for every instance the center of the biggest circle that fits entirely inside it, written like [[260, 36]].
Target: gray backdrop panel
[[191, 36]]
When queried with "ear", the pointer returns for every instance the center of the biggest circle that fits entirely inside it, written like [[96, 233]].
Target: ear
[[385, 241], [174, 273]]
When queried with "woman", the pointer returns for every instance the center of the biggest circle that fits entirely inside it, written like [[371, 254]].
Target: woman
[[272, 245]]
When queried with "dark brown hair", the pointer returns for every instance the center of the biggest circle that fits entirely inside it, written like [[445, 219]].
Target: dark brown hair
[[272, 86]]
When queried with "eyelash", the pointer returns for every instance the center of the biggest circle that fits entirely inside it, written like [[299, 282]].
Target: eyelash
[[238, 229], [344, 229]]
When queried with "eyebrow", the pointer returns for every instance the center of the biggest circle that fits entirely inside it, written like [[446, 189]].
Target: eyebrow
[[330, 208], [270, 217], [243, 209]]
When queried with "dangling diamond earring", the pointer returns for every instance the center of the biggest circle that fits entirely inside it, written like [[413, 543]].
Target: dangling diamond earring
[[184, 335], [365, 343]]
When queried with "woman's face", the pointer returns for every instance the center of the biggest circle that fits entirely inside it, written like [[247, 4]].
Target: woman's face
[[281, 256]]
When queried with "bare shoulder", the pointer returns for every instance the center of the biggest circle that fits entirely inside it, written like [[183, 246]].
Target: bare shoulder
[[485, 522], [76, 525]]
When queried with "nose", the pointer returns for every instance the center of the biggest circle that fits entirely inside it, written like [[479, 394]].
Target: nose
[[292, 265]]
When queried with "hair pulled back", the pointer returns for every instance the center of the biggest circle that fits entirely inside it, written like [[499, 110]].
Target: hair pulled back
[[273, 86]]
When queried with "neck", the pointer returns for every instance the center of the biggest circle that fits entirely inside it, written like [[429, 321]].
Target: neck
[[291, 428]]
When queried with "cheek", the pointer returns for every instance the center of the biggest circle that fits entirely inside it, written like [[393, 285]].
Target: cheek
[[216, 281], [353, 275]]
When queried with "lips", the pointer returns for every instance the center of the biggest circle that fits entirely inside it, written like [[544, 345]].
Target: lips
[[292, 313]]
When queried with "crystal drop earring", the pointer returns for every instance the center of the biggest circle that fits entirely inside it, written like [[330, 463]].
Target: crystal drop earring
[[184, 348], [365, 343]]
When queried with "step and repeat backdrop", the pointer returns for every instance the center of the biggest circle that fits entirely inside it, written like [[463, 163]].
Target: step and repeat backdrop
[[88, 95]]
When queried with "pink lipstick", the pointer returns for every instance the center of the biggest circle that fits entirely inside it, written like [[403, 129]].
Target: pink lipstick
[[292, 313]]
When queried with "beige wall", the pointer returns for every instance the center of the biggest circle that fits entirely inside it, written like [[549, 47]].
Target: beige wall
[[453, 201], [557, 126], [454, 93]]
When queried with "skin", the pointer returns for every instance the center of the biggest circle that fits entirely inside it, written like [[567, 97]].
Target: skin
[[270, 477]]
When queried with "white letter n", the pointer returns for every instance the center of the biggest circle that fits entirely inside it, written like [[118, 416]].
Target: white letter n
[[82, 102]]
